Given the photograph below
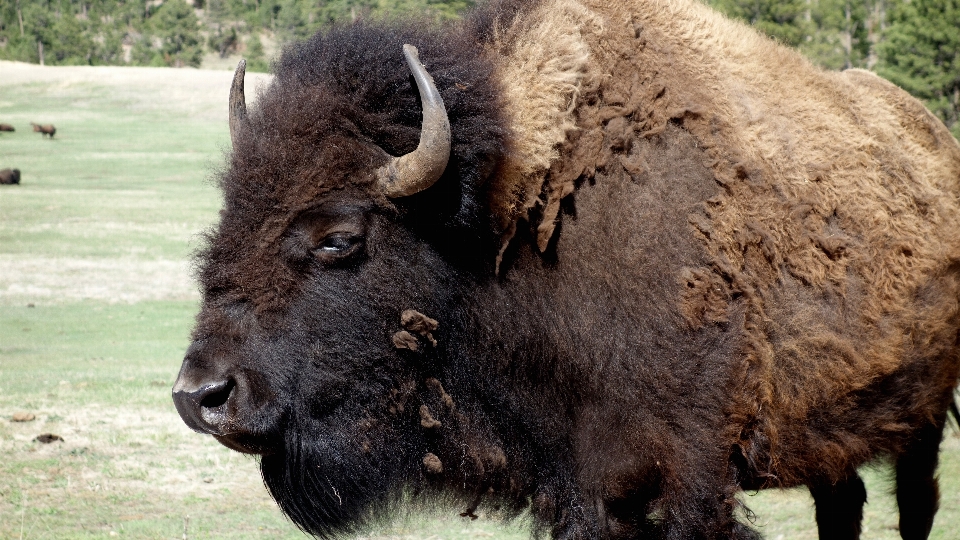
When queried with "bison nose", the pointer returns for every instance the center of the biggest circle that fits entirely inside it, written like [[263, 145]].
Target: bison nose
[[204, 408]]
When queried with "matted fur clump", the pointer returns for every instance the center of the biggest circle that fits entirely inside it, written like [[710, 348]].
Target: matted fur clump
[[668, 260]]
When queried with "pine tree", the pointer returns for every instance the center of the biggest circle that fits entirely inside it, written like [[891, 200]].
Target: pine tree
[[177, 28], [255, 55], [838, 33], [223, 41], [783, 20], [70, 43], [921, 54], [345, 10], [290, 21]]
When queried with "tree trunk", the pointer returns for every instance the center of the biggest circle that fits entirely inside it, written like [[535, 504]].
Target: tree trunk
[[40, 50], [847, 37], [956, 105], [20, 16], [876, 23]]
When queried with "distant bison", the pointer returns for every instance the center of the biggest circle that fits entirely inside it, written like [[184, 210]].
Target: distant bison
[[45, 129], [6, 127], [10, 176], [606, 264]]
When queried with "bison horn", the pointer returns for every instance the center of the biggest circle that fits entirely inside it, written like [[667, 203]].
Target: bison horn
[[238, 104], [420, 169]]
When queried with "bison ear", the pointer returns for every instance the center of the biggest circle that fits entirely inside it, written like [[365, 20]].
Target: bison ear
[[420, 169], [238, 104]]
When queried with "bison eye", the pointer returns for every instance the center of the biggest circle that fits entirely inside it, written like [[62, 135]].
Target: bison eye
[[338, 246]]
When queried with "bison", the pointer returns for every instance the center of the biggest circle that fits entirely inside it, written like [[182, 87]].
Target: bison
[[6, 127], [44, 130], [608, 263], [9, 176]]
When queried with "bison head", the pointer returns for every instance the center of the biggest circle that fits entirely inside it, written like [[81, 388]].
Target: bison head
[[300, 352]]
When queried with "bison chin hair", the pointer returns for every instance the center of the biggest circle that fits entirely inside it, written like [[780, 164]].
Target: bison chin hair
[[328, 489]]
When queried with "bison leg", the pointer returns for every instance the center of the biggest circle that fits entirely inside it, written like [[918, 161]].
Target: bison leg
[[839, 508], [918, 492]]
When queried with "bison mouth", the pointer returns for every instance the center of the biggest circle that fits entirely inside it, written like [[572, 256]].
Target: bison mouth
[[258, 431], [247, 444]]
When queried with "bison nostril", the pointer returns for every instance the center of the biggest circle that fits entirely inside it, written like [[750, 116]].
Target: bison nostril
[[218, 395], [203, 409]]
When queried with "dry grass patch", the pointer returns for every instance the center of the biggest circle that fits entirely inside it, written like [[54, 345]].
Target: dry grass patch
[[139, 472], [45, 280], [134, 471]]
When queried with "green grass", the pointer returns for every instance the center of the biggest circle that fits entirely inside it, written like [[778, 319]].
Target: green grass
[[96, 306], [90, 352], [113, 180], [790, 513]]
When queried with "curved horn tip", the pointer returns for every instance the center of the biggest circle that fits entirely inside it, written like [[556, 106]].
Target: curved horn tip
[[240, 71], [237, 103], [409, 51]]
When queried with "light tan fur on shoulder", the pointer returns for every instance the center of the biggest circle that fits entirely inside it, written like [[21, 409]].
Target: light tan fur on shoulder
[[542, 76], [840, 199]]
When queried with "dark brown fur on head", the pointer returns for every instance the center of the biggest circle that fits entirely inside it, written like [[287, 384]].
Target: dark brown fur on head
[[340, 103]]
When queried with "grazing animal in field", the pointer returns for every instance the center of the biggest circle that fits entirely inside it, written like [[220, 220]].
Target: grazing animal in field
[[9, 176], [633, 258], [45, 129], [6, 127], [47, 438]]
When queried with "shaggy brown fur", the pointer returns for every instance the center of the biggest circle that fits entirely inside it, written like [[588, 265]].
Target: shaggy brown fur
[[843, 198], [668, 260], [6, 127]]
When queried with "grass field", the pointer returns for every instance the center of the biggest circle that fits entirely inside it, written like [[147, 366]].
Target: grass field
[[96, 304]]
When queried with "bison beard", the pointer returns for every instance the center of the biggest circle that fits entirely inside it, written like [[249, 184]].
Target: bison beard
[[330, 489], [328, 492], [666, 260]]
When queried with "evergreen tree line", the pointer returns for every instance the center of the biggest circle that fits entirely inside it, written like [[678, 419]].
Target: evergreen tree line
[[914, 43], [100, 32], [178, 33]]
